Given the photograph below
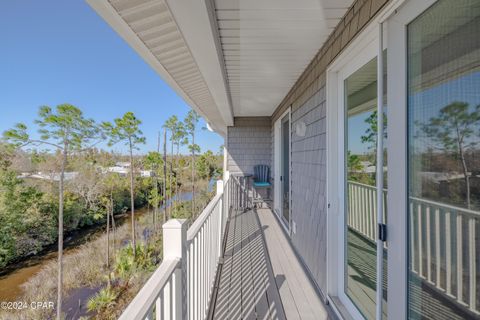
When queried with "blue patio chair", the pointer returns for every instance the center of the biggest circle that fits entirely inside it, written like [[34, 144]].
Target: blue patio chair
[[261, 180]]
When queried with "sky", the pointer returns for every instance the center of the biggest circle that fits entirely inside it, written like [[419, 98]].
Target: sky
[[58, 51]]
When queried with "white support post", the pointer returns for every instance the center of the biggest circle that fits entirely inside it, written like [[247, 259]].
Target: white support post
[[174, 247], [219, 186]]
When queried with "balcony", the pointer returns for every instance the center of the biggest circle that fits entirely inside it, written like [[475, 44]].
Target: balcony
[[234, 262]]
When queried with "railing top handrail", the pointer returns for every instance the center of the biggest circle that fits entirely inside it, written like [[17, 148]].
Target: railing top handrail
[[364, 185], [446, 206], [195, 227], [143, 301]]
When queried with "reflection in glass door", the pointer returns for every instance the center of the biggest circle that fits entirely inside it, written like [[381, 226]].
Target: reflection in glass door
[[285, 169], [444, 161], [361, 192]]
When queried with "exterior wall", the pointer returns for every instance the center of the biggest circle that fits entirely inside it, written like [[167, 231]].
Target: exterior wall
[[309, 185], [248, 144], [308, 104]]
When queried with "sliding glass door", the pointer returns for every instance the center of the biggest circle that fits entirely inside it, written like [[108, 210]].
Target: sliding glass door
[[443, 107], [285, 170]]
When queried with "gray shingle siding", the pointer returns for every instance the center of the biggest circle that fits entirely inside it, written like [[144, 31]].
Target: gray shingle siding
[[249, 143], [309, 185]]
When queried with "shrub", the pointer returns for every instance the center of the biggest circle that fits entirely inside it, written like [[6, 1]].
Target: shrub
[[102, 300]]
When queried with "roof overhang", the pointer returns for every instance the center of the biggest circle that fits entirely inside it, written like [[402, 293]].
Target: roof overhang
[[150, 28], [225, 58]]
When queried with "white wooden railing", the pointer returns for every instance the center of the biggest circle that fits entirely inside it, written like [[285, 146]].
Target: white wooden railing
[[443, 249], [182, 285], [362, 204], [443, 241]]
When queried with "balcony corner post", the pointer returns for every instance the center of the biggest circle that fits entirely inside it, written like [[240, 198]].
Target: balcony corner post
[[174, 247], [219, 186]]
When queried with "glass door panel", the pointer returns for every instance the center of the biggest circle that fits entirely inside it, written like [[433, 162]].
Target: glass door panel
[[361, 192], [444, 161]]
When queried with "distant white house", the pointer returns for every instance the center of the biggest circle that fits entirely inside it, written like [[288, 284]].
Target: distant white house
[[123, 169], [439, 177], [146, 173], [123, 164], [48, 175], [118, 169]]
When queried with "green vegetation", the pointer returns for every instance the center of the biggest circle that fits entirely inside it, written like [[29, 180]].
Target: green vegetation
[[451, 133], [126, 129], [104, 299], [46, 193], [190, 125], [67, 131]]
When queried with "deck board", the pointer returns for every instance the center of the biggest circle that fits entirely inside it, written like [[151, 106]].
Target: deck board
[[299, 297], [247, 287]]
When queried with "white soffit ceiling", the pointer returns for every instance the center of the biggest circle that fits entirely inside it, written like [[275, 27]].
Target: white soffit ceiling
[[268, 43], [226, 58], [151, 29]]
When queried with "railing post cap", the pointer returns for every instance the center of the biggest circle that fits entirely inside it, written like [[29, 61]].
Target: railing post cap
[[175, 224]]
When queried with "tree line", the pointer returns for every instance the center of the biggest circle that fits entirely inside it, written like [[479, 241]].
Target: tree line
[[92, 195]]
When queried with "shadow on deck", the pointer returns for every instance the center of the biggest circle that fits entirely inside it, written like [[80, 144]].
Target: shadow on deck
[[261, 278]]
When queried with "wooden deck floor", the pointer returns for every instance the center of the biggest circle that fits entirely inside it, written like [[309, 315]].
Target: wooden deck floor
[[261, 277]]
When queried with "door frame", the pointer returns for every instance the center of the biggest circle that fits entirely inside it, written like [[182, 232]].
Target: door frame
[[398, 258], [277, 187], [352, 60], [361, 50]]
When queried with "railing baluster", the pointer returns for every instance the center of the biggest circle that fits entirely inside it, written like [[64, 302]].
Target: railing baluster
[[438, 260], [448, 252], [365, 212], [202, 293], [429, 245], [191, 273], [357, 209], [159, 306], [420, 240], [412, 238], [368, 212], [459, 258], [349, 204], [349, 209], [167, 301], [472, 265], [176, 298], [196, 275]]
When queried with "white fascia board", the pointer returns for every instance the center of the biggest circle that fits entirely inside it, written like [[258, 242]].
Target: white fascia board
[[111, 16], [197, 23]]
